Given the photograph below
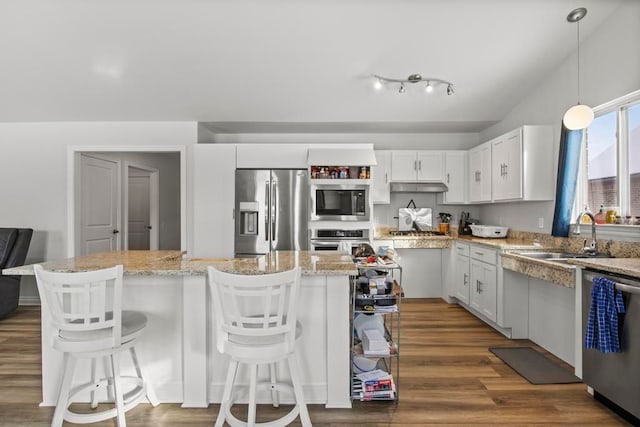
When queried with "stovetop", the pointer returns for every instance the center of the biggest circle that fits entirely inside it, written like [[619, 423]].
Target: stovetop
[[415, 233]]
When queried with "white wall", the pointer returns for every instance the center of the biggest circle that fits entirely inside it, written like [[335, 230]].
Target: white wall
[[610, 68], [34, 173]]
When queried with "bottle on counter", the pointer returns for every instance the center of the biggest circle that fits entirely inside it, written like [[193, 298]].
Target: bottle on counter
[[599, 217], [585, 218]]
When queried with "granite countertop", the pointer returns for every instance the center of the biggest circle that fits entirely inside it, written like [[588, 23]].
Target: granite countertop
[[560, 274], [172, 263], [625, 266]]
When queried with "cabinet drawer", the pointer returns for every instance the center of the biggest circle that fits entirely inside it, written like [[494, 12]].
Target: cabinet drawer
[[483, 254], [461, 249]]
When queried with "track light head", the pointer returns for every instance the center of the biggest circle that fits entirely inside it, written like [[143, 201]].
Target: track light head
[[429, 88], [450, 90], [402, 89], [377, 84]]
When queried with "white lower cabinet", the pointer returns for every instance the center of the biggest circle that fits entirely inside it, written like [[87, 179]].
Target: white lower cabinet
[[483, 295], [475, 279], [461, 276]]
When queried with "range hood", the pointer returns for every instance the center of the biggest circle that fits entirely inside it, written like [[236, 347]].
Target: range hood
[[418, 187], [342, 156]]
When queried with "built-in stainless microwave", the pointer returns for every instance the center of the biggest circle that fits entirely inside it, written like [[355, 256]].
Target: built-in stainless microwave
[[340, 203]]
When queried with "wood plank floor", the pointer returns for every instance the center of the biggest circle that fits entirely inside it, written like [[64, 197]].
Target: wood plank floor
[[448, 376]]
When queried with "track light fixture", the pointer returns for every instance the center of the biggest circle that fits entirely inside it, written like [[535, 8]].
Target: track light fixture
[[432, 82]]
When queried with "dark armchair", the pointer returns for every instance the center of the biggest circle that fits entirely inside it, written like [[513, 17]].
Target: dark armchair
[[14, 245]]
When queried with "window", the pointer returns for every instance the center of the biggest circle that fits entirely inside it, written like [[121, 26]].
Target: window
[[610, 165]]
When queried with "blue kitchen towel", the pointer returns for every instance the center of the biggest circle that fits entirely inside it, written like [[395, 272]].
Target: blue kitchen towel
[[602, 325]]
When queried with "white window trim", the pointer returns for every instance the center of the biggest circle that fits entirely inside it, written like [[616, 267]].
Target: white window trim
[[610, 231]]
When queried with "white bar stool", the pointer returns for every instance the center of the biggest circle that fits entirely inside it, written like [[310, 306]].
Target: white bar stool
[[255, 323], [86, 310]]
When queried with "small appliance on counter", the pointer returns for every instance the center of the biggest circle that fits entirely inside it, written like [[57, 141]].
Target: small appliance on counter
[[465, 223], [492, 231]]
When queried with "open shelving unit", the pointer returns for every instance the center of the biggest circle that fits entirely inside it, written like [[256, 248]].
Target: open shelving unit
[[384, 388]]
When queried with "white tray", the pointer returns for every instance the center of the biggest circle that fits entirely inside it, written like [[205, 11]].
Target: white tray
[[489, 231]]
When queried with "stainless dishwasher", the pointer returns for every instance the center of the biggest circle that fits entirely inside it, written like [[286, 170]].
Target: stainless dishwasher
[[615, 376]]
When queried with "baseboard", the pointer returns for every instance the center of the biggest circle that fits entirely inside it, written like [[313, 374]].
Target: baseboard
[[31, 300]]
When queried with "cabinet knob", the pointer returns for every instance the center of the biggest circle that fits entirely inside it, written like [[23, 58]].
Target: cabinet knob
[[116, 231]]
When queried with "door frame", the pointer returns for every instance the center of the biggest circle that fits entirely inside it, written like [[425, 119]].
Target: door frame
[[154, 204], [73, 185]]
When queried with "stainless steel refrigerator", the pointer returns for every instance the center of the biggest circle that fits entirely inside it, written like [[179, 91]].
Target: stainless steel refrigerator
[[272, 211]]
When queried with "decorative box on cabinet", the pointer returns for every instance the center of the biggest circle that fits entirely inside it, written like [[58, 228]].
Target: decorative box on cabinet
[[386, 320], [417, 166]]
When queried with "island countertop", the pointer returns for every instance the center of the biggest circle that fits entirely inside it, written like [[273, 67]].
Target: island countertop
[[173, 263]]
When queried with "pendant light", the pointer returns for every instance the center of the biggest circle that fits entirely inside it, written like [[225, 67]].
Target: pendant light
[[579, 116]]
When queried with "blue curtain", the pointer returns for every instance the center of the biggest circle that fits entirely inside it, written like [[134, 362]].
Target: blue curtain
[[568, 163]]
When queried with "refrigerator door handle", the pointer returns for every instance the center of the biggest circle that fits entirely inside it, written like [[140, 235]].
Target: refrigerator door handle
[[267, 203], [274, 209]]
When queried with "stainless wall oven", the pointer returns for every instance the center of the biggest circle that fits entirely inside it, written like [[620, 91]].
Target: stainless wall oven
[[615, 376], [340, 203], [337, 240]]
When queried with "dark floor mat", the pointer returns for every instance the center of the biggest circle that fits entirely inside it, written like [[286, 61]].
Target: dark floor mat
[[534, 366]]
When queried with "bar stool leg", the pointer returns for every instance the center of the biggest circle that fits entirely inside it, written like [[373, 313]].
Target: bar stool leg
[[94, 380], [65, 387], [151, 392], [274, 383], [117, 388], [226, 394], [297, 389], [106, 364], [253, 379]]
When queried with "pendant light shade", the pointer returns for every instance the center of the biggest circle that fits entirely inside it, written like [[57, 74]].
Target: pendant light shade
[[579, 116]]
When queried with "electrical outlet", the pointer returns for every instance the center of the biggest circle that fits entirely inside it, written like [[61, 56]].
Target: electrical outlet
[[540, 222]]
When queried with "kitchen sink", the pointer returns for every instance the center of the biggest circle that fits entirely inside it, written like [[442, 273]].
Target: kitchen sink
[[559, 257]]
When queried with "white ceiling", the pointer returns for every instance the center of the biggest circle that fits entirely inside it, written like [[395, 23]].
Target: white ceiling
[[281, 65]]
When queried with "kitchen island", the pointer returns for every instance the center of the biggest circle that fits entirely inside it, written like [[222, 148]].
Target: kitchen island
[[178, 347]]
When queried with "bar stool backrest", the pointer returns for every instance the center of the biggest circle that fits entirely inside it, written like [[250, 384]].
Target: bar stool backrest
[[251, 308], [84, 306]]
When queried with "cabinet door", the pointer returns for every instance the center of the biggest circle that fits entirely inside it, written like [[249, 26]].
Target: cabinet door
[[380, 191], [480, 173], [403, 165], [483, 293], [507, 166], [461, 278], [430, 166], [455, 163]]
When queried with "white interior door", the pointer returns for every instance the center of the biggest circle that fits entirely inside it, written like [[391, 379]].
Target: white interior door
[[142, 207], [99, 205], [138, 213]]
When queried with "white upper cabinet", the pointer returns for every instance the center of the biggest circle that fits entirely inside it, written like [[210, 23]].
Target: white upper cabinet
[[455, 176], [380, 178], [522, 166], [417, 166], [480, 173]]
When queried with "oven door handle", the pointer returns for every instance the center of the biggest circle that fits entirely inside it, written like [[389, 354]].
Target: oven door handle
[[336, 243], [626, 288]]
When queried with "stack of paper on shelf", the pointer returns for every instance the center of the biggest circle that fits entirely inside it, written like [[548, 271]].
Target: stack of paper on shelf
[[374, 343]]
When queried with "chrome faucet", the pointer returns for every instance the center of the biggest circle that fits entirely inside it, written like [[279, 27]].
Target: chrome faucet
[[592, 248]]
